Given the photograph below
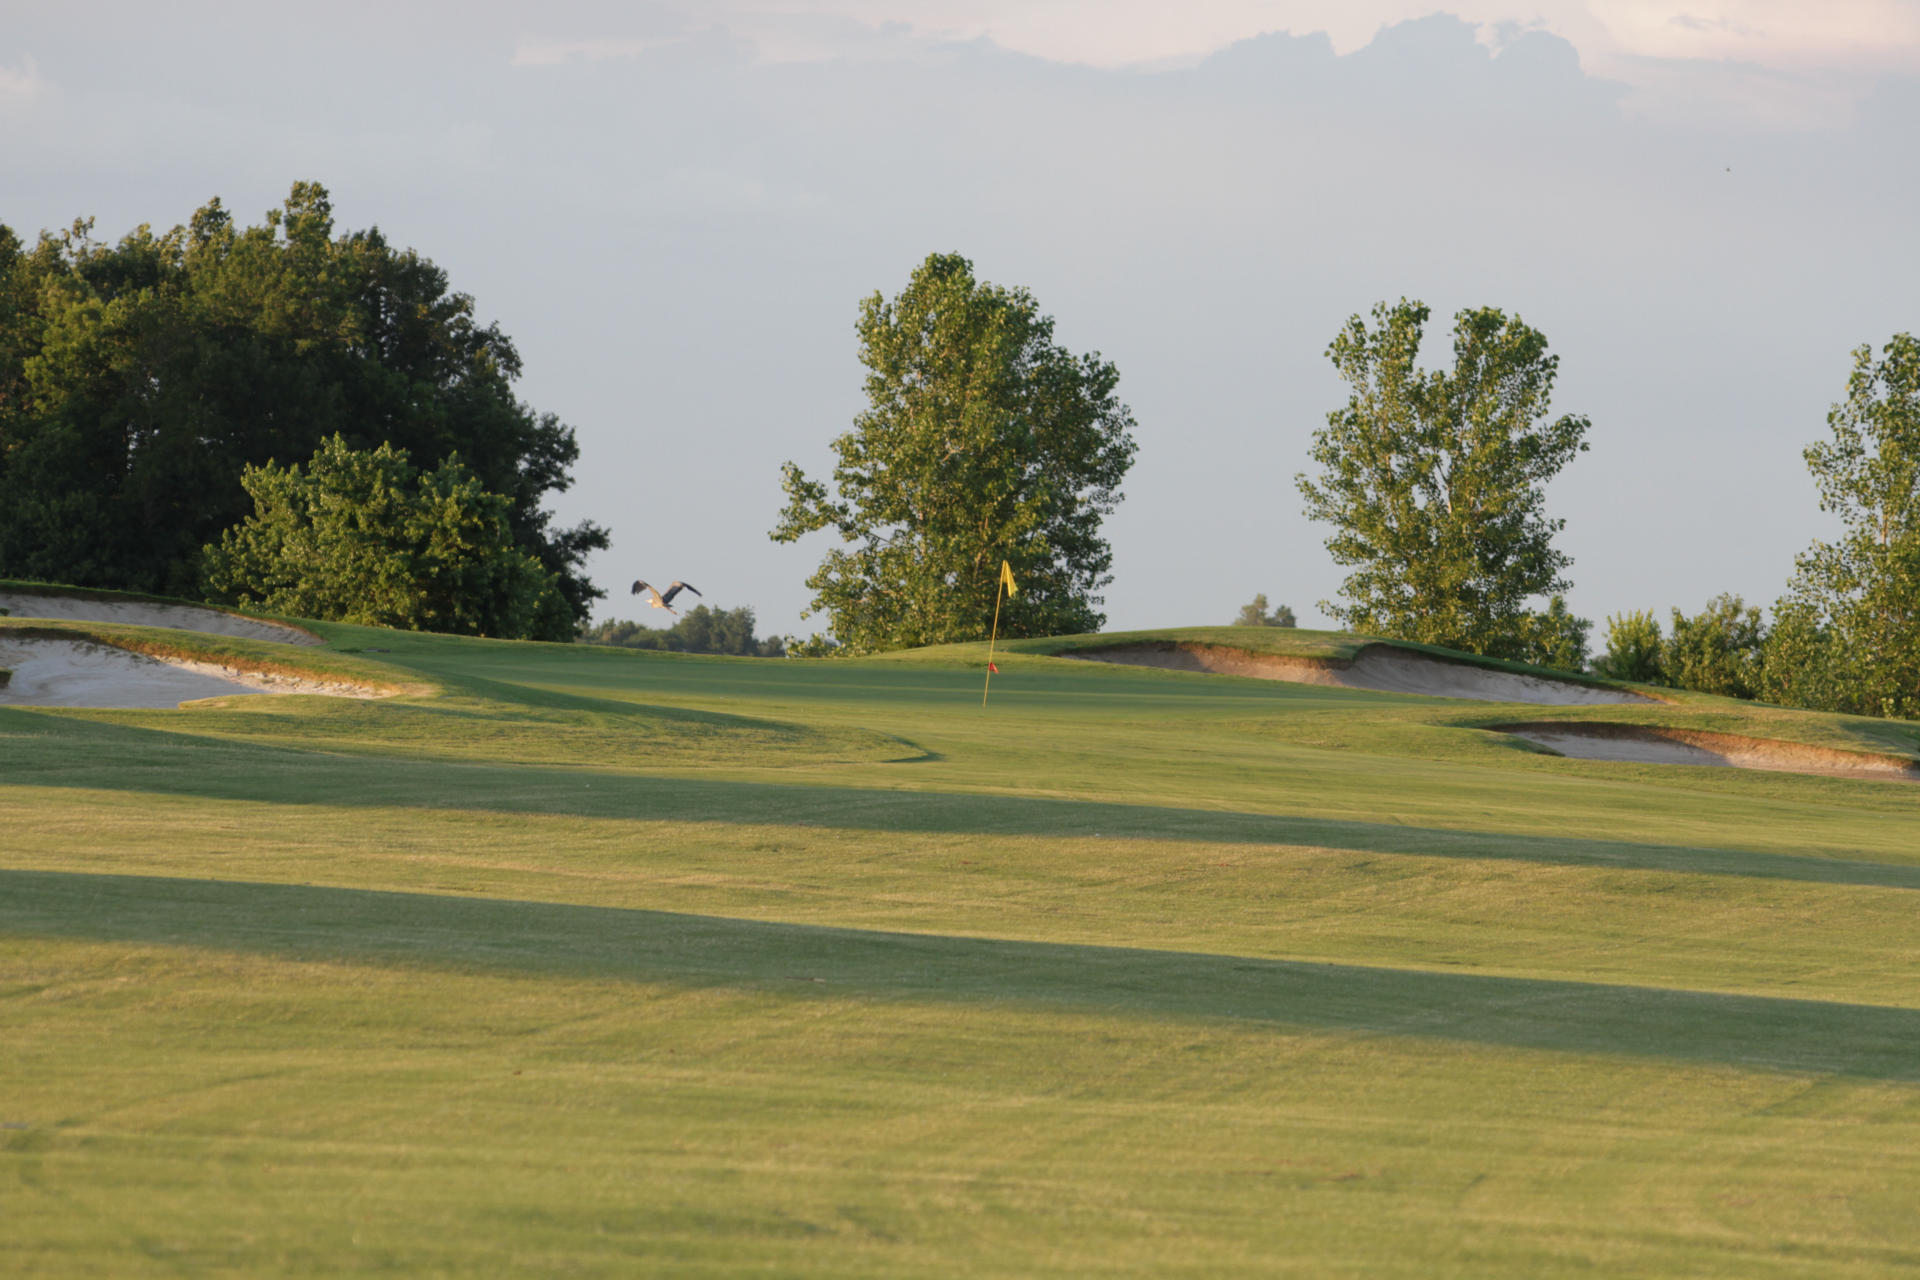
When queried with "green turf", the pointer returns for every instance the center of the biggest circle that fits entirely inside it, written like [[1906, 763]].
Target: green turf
[[583, 961]]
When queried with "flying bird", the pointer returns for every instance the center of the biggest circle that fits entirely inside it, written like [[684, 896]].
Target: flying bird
[[663, 600]]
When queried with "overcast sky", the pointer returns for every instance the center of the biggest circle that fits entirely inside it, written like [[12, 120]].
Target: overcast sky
[[675, 208]]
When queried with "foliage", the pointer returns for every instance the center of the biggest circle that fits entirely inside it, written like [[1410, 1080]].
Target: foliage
[[813, 646], [363, 536], [1554, 637], [1799, 663], [983, 441], [1634, 646], [1862, 593], [138, 381], [700, 630], [1719, 650], [1434, 483], [1256, 614]]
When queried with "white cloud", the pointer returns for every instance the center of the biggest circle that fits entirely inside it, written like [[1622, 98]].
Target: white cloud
[[1852, 35], [22, 84], [1844, 41], [1773, 33]]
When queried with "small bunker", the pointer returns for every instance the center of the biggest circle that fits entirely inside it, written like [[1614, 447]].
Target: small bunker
[[57, 672], [1647, 744]]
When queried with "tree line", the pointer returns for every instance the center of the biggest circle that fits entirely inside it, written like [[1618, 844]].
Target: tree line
[[702, 630], [1434, 483], [163, 391], [984, 440], [1845, 636], [317, 424]]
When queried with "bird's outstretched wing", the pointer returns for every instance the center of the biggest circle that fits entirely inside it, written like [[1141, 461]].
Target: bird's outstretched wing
[[676, 589], [658, 601], [639, 586]]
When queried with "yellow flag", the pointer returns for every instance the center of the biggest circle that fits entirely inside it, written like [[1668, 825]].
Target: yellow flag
[[1006, 578]]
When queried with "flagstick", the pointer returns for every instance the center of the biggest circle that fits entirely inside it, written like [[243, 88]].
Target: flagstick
[[999, 590]]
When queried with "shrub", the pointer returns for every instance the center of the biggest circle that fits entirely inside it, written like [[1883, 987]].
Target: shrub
[[1554, 638], [363, 536], [1633, 649], [1717, 651], [1797, 667]]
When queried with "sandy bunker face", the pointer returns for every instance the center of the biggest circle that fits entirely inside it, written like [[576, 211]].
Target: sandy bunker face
[[79, 673], [1640, 744], [181, 617], [1381, 668]]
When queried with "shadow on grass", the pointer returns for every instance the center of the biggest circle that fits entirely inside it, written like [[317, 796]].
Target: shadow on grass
[[64, 751], [358, 926]]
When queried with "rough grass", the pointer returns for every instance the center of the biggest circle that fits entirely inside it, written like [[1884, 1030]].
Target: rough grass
[[601, 962]]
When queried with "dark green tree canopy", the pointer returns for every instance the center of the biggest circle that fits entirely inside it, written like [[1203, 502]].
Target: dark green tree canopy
[[983, 441], [363, 536], [1434, 484], [138, 381]]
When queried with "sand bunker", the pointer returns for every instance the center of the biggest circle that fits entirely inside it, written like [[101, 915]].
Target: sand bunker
[[1646, 745], [80, 673], [1379, 667], [181, 617]]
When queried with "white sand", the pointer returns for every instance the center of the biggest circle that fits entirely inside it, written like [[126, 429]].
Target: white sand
[[79, 673], [182, 617], [1379, 667], [1647, 745]]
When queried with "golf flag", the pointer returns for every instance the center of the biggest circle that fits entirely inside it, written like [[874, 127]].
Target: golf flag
[[1004, 586]]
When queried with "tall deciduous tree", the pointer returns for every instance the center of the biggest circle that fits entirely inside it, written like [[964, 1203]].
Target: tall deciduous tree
[[138, 381], [1434, 482], [1853, 610], [983, 441]]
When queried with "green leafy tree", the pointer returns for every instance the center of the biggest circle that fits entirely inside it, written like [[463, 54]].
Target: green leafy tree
[[1800, 665], [983, 441], [1256, 614], [139, 380], [1554, 637], [1634, 646], [1434, 484], [702, 630], [363, 536], [1861, 594], [1719, 650]]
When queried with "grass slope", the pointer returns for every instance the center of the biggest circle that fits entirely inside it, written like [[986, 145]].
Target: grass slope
[[589, 961]]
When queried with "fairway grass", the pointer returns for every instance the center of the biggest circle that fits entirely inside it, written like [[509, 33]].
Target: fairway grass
[[590, 962]]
